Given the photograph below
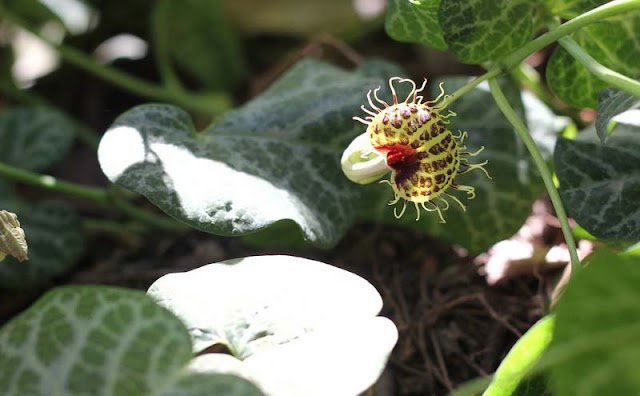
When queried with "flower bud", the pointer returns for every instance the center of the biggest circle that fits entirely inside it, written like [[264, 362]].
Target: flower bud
[[361, 163]]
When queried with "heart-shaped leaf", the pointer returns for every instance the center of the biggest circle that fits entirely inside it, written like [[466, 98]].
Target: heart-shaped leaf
[[294, 326], [34, 138], [54, 235], [600, 184], [481, 30], [102, 341], [595, 347], [202, 42], [415, 21], [275, 158], [612, 42], [568, 9], [611, 103]]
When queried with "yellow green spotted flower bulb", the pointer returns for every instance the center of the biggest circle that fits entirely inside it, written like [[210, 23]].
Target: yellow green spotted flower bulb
[[416, 145]]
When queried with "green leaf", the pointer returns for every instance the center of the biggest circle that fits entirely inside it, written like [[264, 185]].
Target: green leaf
[[34, 138], [415, 21], [569, 9], [203, 44], [613, 43], [289, 237], [600, 184], [198, 384], [533, 385], [522, 356], [502, 204], [485, 30], [294, 326], [595, 347], [54, 234], [611, 103], [101, 341], [277, 157], [34, 12]]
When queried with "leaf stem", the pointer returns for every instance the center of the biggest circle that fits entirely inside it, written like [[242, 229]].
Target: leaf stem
[[97, 195], [597, 14], [612, 8], [212, 104], [493, 72], [100, 196], [521, 129], [161, 46], [605, 74]]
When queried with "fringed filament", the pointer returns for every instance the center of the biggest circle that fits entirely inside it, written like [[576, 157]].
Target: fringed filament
[[418, 99], [481, 149], [404, 208], [371, 113], [471, 192], [375, 95], [464, 208], [430, 102], [450, 114], [365, 122], [471, 167]]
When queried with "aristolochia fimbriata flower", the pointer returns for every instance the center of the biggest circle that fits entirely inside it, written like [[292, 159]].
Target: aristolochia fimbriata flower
[[412, 140]]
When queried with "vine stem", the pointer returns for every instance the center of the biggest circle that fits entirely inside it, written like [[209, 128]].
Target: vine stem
[[94, 194], [522, 131], [493, 72], [605, 74], [213, 104], [100, 196], [161, 45], [610, 9]]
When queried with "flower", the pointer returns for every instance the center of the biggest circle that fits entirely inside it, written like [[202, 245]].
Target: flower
[[413, 141]]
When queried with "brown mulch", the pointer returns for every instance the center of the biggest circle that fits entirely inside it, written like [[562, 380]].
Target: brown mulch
[[452, 325]]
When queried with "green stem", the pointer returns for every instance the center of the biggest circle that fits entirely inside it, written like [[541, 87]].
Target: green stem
[[165, 223], [97, 195], [161, 46], [522, 131], [613, 8], [605, 74], [527, 76], [100, 196], [213, 104], [493, 72]]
